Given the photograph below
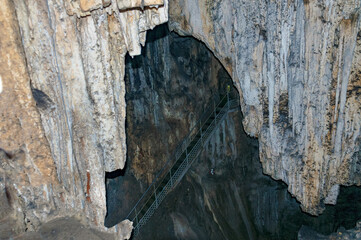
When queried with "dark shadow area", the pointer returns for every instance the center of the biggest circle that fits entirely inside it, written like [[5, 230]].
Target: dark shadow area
[[6, 153], [116, 173], [345, 213], [225, 194], [291, 218], [42, 100]]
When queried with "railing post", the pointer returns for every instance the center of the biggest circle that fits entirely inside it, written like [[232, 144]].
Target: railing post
[[170, 174], [200, 126], [217, 102], [215, 117], [136, 219], [155, 195], [228, 89], [215, 114]]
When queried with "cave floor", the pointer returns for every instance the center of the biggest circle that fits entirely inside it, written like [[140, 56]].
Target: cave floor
[[58, 229]]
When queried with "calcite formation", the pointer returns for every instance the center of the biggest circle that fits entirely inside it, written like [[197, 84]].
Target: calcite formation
[[62, 103], [296, 65], [169, 88]]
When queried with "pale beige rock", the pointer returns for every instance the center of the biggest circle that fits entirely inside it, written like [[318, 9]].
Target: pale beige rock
[[297, 67], [63, 106], [88, 5], [83, 8], [127, 228], [125, 4], [27, 168], [295, 63]]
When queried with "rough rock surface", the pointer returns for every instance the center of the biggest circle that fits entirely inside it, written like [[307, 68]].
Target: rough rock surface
[[297, 67], [167, 88], [173, 70], [58, 229], [295, 63], [307, 233], [62, 103]]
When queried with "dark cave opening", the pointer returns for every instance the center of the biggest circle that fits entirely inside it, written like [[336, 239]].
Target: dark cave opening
[[117, 173], [167, 88]]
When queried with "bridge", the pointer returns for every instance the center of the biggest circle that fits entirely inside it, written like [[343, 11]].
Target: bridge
[[181, 160]]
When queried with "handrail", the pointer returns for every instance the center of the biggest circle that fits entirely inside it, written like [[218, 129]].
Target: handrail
[[179, 147], [180, 150]]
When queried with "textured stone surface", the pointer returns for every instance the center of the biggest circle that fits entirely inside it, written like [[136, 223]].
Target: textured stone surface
[[26, 160], [296, 65], [166, 86], [63, 228], [172, 79], [307, 233], [62, 104]]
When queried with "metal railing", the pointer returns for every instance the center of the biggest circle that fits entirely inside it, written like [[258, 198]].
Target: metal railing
[[179, 162]]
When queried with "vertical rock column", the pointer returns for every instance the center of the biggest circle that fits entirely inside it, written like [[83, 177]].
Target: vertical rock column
[[27, 172], [64, 69], [295, 64]]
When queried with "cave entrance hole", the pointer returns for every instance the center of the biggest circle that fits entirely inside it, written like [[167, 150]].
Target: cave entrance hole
[[167, 89]]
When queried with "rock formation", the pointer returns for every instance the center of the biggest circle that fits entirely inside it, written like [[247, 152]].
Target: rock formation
[[167, 86], [297, 66], [295, 63], [306, 233], [62, 103]]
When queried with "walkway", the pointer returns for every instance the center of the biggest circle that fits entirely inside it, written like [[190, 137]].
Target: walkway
[[179, 163]]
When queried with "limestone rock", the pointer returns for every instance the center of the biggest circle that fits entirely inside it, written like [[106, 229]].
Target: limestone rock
[[125, 4], [297, 67], [127, 228], [307, 233], [62, 103]]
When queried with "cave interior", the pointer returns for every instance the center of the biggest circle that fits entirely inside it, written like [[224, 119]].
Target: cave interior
[[224, 195]]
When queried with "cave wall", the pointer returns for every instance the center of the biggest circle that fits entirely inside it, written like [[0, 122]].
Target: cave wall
[[309, 234], [63, 108], [168, 87], [296, 66], [172, 71], [295, 63], [206, 206]]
